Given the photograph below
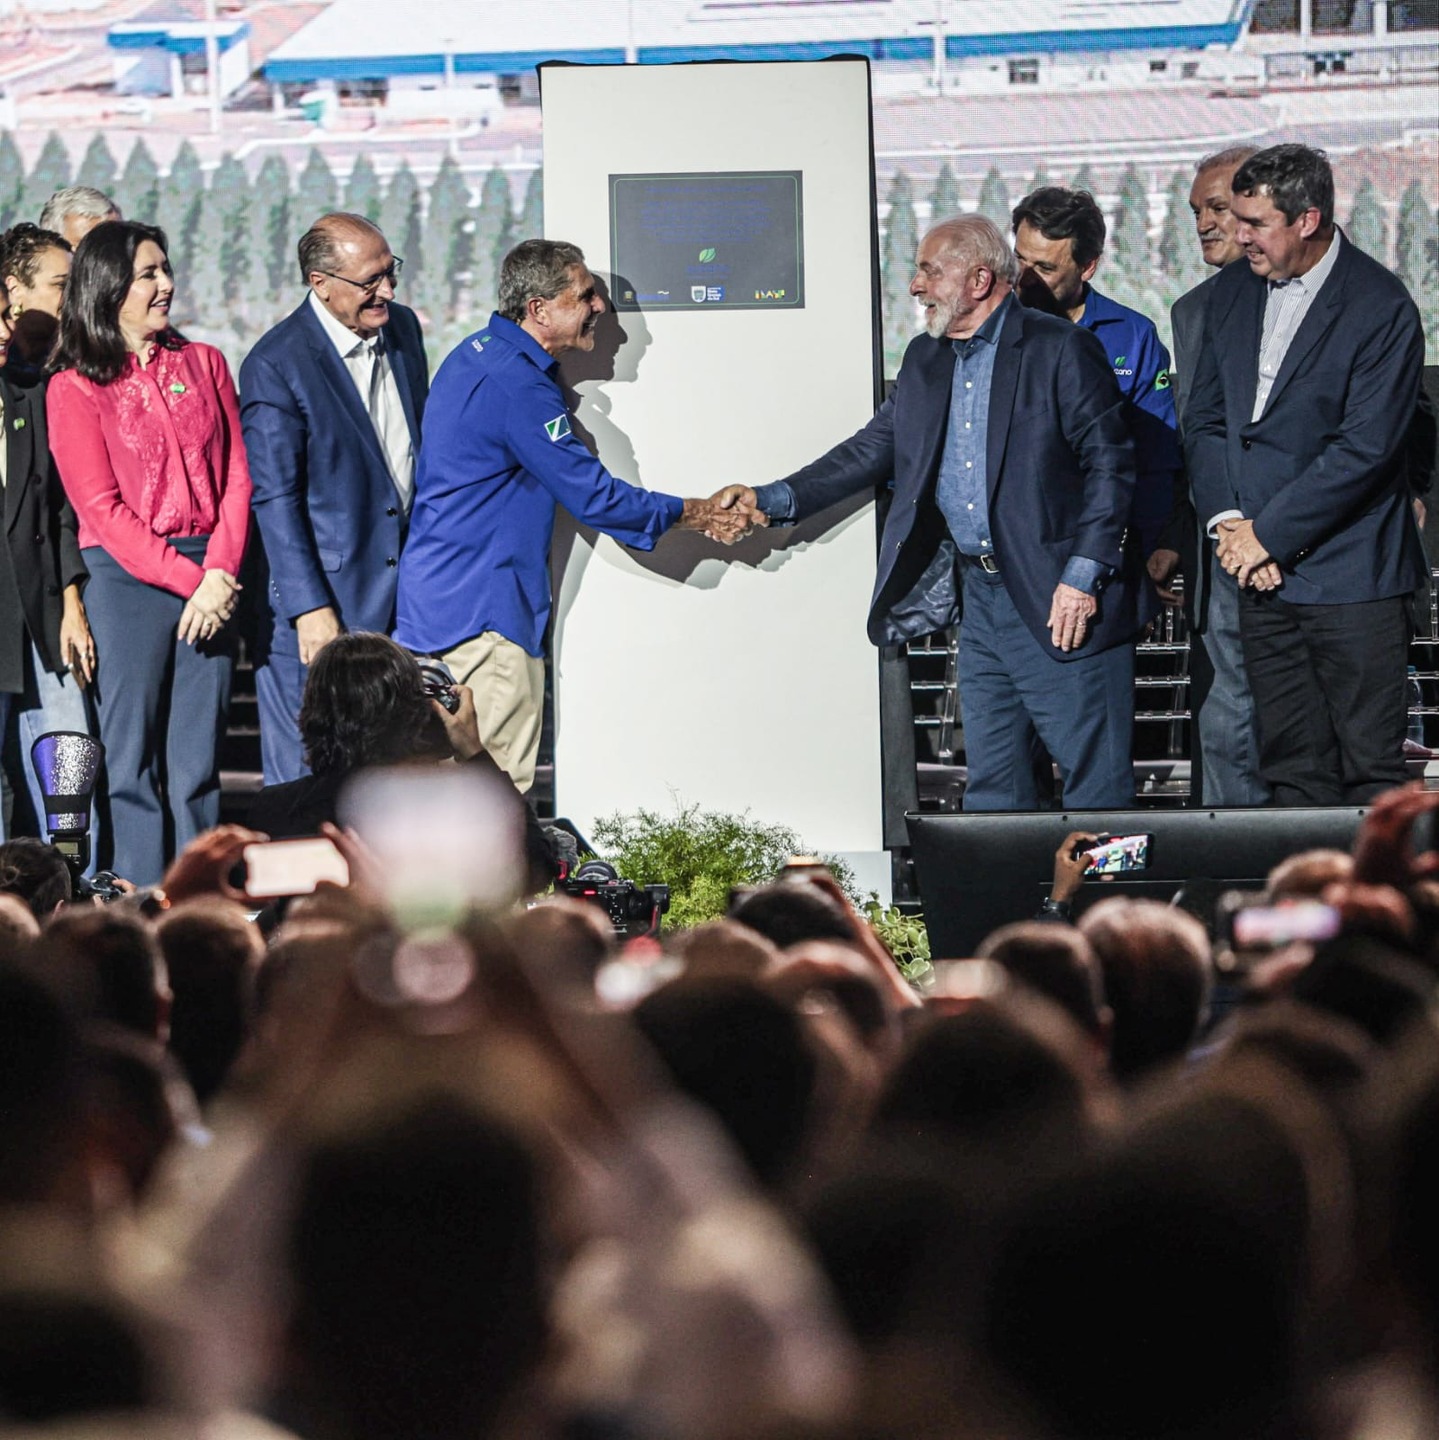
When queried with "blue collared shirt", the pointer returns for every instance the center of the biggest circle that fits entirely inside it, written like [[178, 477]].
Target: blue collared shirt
[[498, 455], [966, 492], [1141, 369], [961, 492]]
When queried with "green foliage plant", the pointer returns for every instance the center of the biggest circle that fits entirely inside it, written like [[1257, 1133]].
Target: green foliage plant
[[904, 936], [700, 855]]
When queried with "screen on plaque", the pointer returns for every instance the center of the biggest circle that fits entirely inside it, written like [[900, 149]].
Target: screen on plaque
[[730, 240]]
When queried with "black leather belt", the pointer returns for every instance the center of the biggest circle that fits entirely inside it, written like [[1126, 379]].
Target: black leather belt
[[987, 563]]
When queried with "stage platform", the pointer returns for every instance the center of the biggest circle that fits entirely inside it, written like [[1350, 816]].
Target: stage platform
[[977, 872]]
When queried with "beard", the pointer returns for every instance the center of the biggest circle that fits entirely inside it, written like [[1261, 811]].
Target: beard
[[937, 321]]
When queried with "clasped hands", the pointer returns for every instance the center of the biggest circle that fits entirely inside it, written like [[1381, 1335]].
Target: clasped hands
[[1244, 557], [211, 604], [728, 515]]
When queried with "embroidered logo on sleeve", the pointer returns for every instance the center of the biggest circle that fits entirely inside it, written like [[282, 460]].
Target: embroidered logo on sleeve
[[558, 428]]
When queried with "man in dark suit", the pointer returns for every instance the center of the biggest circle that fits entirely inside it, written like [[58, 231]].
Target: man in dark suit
[[1226, 739], [46, 650], [1295, 423], [1012, 468], [331, 404]]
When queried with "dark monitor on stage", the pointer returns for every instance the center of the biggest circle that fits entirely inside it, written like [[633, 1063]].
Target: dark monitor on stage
[[977, 872]]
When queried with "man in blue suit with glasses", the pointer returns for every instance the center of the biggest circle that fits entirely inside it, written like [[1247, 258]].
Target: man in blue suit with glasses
[[331, 404]]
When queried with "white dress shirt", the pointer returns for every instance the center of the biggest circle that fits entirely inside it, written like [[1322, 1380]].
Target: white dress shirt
[[368, 365]]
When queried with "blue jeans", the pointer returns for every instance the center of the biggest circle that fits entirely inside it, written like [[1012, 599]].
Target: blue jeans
[[1228, 735], [49, 702], [1011, 689]]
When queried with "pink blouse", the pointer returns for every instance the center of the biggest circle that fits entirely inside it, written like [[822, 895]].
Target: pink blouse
[[157, 453]]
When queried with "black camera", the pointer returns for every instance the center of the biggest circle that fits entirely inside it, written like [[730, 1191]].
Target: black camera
[[438, 684], [633, 909], [100, 886]]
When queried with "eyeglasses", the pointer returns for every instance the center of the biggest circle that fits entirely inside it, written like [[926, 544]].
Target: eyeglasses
[[370, 286]]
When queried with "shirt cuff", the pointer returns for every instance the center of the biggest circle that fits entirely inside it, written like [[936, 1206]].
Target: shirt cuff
[[1084, 574], [1211, 528], [776, 500]]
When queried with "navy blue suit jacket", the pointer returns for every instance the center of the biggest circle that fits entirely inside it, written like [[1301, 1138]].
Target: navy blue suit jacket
[[1059, 471], [327, 510], [1322, 473]]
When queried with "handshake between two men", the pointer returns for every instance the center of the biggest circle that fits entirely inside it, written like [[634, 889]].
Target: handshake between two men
[[727, 516]]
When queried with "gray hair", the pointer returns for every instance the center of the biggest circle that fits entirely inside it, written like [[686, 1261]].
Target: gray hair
[[535, 270], [1230, 159], [83, 200], [974, 240], [319, 247]]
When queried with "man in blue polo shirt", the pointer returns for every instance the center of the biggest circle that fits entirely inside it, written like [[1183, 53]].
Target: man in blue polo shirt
[[1058, 239], [498, 455]]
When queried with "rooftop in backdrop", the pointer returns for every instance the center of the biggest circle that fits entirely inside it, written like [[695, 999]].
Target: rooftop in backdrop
[[364, 39]]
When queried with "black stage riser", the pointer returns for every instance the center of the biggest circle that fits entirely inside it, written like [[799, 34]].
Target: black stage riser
[[977, 872]]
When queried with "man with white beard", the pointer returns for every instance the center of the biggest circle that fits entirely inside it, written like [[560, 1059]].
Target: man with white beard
[[1011, 465]]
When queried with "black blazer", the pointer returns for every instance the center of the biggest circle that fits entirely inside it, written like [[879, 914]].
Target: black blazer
[[1323, 472], [1059, 464], [41, 555]]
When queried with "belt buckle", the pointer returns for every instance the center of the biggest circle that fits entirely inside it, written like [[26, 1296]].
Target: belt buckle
[[988, 564]]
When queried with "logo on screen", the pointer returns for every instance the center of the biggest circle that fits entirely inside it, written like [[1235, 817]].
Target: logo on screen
[[697, 294], [707, 254], [714, 292], [769, 294]]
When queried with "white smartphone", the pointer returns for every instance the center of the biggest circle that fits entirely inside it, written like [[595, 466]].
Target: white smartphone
[[292, 867], [447, 837]]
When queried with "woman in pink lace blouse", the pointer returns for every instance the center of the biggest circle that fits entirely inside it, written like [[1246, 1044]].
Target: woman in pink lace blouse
[[145, 428]]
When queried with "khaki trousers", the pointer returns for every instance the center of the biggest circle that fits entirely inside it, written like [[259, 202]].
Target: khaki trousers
[[509, 687]]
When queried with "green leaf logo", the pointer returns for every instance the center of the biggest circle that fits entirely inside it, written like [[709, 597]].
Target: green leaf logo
[[707, 254]]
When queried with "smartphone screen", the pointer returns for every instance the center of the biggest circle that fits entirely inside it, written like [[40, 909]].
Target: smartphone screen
[[1257, 927], [292, 867], [446, 838], [1119, 854]]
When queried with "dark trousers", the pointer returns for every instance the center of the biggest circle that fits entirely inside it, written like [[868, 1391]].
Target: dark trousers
[[161, 705], [1329, 692], [279, 688], [1011, 690]]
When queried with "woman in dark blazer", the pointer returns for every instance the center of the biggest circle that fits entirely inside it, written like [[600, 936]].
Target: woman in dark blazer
[[47, 653]]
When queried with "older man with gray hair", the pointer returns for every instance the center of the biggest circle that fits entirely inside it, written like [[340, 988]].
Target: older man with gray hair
[[499, 455], [333, 399], [76, 210], [1007, 450]]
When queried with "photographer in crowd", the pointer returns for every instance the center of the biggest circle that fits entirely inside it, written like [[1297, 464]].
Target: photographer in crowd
[[366, 704]]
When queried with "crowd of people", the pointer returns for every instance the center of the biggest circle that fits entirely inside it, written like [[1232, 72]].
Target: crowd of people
[[1032, 443], [134, 470], [1050, 475], [317, 1175], [340, 1169]]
